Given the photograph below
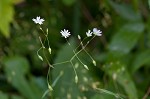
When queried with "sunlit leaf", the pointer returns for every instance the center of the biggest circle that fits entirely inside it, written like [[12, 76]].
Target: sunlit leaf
[[6, 16]]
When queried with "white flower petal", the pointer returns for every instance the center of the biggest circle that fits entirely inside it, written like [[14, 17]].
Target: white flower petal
[[38, 20], [89, 33], [65, 33], [97, 32]]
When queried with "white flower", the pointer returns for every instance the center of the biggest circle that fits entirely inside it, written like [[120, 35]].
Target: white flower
[[38, 20], [89, 33], [65, 33], [97, 32]]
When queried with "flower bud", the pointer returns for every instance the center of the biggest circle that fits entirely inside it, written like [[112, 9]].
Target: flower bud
[[94, 62], [86, 67], [40, 57], [79, 37], [76, 79], [50, 88], [49, 49]]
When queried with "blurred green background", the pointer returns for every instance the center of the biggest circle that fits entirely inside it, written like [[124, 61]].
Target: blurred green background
[[122, 53]]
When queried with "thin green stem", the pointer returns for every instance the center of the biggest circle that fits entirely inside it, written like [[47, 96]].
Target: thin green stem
[[39, 50], [116, 87], [45, 93], [77, 56], [49, 86], [41, 42], [46, 35], [85, 49], [48, 41], [68, 42], [48, 75], [39, 56], [41, 29], [89, 55], [57, 78], [47, 59], [108, 92], [60, 63], [74, 69], [81, 43], [79, 51]]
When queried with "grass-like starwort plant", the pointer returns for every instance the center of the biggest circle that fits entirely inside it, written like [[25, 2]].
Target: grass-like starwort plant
[[66, 34]]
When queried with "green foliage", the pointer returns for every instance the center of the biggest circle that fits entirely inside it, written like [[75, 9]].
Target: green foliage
[[87, 79], [140, 60], [16, 97], [66, 82], [6, 15], [125, 11], [119, 73], [149, 3], [126, 38], [122, 54], [3, 96], [16, 68], [68, 2]]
